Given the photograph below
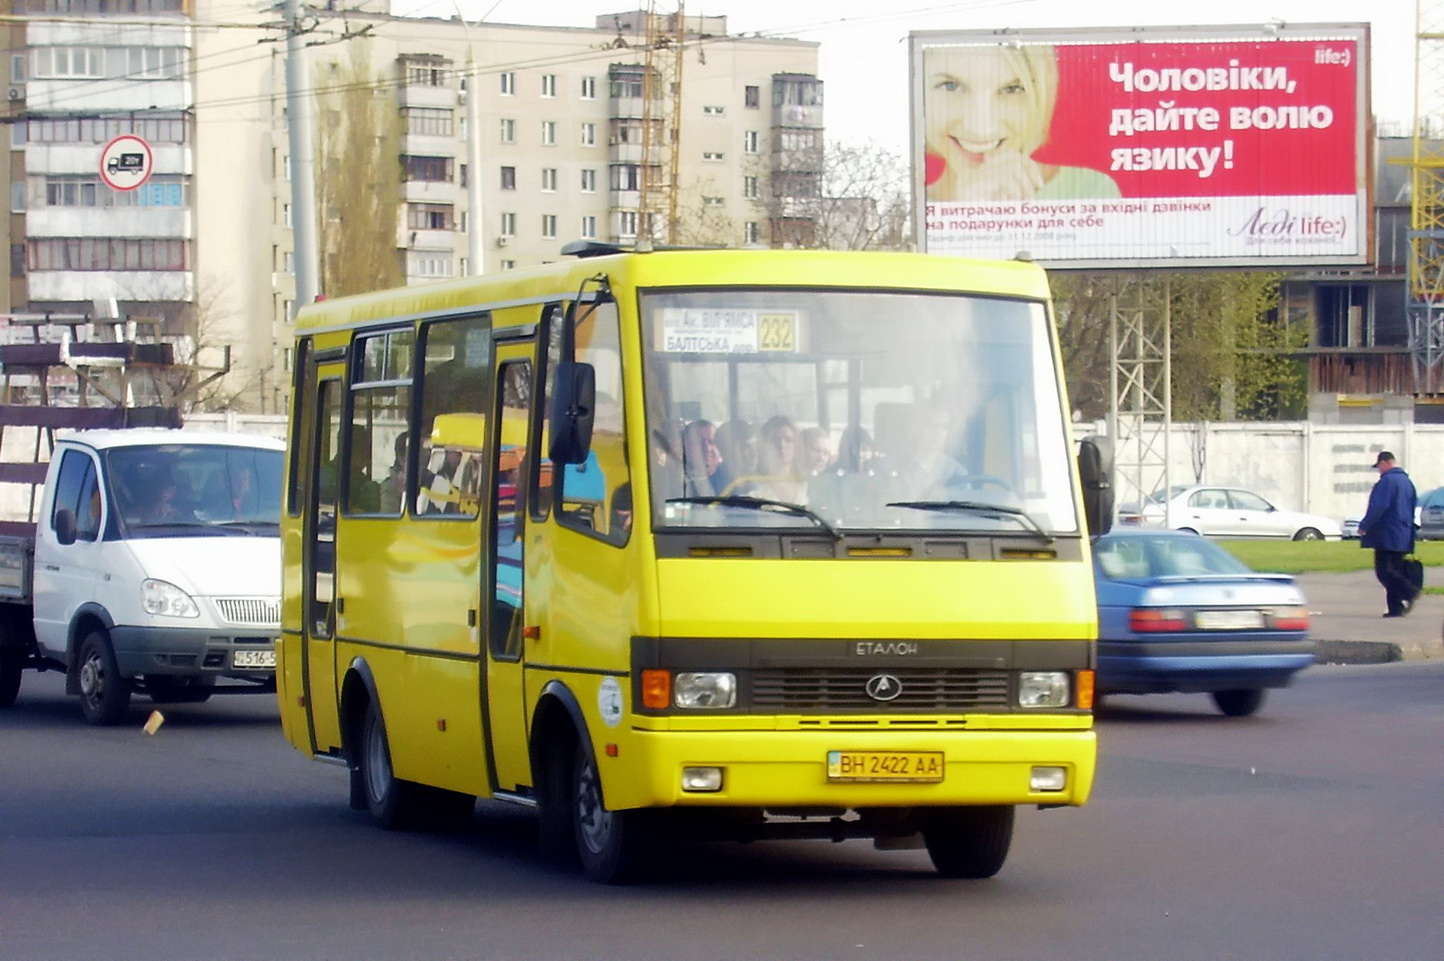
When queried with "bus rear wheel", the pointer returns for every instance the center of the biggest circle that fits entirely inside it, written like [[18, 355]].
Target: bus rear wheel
[[615, 847], [970, 842]]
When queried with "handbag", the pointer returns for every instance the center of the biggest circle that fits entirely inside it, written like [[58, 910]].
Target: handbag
[[1413, 570]]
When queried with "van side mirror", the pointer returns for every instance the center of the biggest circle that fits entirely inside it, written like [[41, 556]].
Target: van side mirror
[[574, 398], [65, 526], [1095, 472]]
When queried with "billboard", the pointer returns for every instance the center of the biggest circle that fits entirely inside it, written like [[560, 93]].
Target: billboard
[[1145, 147]]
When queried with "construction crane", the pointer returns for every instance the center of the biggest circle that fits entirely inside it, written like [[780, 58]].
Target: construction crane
[[661, 123], [1426, 224]]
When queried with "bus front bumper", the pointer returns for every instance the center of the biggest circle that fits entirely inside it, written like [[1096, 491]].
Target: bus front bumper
[[789, 769]]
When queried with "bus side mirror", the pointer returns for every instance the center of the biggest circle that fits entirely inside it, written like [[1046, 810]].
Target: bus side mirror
[[65, 526], [1097, 486], [574, 397]]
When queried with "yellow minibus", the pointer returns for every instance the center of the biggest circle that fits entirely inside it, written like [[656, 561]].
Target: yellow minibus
[[694, 544]]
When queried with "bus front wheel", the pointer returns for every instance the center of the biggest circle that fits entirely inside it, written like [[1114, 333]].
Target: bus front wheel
[[614, 846], [970, 842]]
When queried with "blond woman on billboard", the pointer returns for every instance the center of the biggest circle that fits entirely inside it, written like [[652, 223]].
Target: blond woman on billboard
[[987, 110]]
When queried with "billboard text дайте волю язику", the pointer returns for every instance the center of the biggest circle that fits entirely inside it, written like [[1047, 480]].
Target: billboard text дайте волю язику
[[1181, 146]]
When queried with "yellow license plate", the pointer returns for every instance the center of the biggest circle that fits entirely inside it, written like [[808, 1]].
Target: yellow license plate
[[884, 765]]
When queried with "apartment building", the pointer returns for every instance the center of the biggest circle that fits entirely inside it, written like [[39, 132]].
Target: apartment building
[[624, 130]]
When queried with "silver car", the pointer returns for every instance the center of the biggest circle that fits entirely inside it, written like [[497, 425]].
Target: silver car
[[1219, 511]]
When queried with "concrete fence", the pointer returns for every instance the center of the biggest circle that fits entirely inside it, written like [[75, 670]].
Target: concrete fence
[[1298, 465]]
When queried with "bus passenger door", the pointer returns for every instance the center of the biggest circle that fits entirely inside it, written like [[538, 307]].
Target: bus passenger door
[[318, 622], [502, 596]]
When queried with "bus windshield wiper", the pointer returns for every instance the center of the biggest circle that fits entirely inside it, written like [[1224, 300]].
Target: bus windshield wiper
[[976, 507], [762, 504]]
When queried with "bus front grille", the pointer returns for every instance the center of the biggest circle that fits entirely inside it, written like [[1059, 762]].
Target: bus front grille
[[845, 689]]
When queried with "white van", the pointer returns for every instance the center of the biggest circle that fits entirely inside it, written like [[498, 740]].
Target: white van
[[155, 567]]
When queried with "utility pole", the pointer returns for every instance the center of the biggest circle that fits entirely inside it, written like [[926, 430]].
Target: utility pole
[[300, 127]]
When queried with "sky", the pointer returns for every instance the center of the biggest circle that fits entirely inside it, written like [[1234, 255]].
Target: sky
[[863, 54]]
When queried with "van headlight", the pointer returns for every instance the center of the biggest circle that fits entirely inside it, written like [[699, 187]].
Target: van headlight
[[1043, 689], [161, 597], [705, 690]]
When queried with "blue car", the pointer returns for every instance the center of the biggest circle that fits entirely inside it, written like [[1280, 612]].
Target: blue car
[[1179, 613]]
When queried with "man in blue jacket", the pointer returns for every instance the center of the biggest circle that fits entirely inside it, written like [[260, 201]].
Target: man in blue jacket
[[1388, 527]]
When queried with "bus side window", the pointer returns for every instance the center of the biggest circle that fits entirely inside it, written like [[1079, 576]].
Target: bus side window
[[595, 496], [455, 379]]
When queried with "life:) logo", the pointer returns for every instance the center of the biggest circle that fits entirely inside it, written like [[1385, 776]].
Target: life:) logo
[[1283, 223]]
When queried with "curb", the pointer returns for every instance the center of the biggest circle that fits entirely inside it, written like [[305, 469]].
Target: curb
[[1357, 652]]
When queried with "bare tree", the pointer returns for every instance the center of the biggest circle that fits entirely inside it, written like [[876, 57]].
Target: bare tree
[[359, 193], [841, 197]]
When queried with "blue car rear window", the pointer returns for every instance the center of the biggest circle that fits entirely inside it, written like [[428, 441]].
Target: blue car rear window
[[1134, 558]]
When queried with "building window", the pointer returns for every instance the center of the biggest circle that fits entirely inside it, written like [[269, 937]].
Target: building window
[[427, 169], [589, 88], [752, 97], [508, 265], [508, 131], [589, 181], [508, 224], [589, 227], [424, 75], [627, 223], [627, 88], [549, 179], [549, 133], [158, 127], [17, 260], [713, 156], [430, 217], [626, 177], [749, 188], [17, 197], [508, 178], [429, 264], [713, 110], [750, 232], [164, 190], [508, 84], [589, 135], [549, 226], [155, 63], [430, 122], [286, 215], [69, 62], [714, 201], [549, 85], [749, 141], [107, 253], [17, 68]]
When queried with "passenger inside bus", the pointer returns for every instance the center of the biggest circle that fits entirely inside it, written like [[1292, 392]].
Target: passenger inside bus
[[700, 459], [817, 450], [855, 452], [781, 470], [737, 446], [925, 466]]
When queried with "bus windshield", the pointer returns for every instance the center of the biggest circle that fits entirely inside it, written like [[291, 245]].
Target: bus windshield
[[870, 409]]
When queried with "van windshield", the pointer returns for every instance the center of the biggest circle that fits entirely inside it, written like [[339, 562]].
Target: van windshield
[[196, 485], [871, 409]]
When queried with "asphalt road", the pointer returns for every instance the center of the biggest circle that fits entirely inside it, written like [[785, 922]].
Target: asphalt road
[[1309, 832]]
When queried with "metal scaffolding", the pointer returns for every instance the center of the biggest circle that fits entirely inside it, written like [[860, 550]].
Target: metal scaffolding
[[1426, 226], [1140, 383]]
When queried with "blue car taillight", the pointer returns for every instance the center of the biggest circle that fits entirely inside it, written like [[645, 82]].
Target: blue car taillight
[[1156, 620]]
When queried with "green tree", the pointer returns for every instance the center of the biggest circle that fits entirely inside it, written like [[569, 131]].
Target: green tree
[[358, 187], [1232, 359]]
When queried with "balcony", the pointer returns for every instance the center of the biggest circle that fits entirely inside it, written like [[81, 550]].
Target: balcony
[[86, 286], [165, 223], [84, 158], [425, 95]]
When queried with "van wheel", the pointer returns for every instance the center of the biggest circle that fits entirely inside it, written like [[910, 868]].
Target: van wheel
[[970, 842], [1239, 703], [12, 663], [394, 804], [615, 847], [168, 689], [104, 694]]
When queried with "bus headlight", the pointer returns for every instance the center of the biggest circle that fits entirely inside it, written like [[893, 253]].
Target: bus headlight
[[1043, 689], [705, 690], [160, 597]]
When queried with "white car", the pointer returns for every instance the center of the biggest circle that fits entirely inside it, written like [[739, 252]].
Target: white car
[[1218, 511]]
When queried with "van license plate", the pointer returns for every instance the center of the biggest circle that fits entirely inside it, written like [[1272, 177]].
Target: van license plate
[[925, 766], [254, 659]]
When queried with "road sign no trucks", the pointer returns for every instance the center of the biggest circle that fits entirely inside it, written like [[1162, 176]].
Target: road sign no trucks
[[126, 162]]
